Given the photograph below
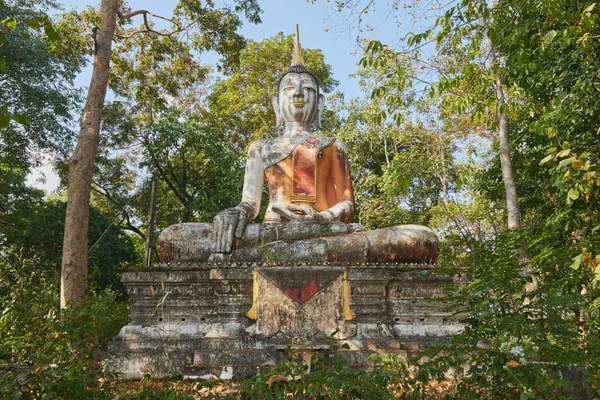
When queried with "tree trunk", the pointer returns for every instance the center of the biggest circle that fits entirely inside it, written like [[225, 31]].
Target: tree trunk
[[81, 166], [149, 236], [512, 200]]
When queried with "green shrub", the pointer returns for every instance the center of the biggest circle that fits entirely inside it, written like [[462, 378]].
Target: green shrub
[[511, 349], [111, 250], [327, 379], [162, 394], [64, 360]]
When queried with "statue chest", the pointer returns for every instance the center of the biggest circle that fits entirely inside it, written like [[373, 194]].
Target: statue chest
[[302, 176]]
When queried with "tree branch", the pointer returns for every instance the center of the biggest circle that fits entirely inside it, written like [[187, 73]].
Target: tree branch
[[145, 14]]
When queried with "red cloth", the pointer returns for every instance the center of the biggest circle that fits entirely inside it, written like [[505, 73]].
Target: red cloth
[[304, 159]]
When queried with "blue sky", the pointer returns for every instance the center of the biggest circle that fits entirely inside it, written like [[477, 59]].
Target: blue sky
[[320, 27]]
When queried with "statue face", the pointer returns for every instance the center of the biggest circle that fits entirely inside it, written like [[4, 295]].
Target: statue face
[[298, 98]]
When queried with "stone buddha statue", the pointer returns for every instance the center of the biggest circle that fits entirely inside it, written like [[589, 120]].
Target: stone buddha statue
[[311, 200]]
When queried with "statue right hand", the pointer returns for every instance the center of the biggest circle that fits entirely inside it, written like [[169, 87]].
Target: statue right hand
[[226, 225]]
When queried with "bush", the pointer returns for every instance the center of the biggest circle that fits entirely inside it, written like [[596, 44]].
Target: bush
[[111, 251], [328, 379], [511, 348], [65, 360]]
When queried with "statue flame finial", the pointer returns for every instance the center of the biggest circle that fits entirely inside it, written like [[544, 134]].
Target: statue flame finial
[[297, 58]]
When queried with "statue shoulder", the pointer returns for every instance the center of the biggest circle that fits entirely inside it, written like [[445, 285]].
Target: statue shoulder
[[256, 147], [341, 147]]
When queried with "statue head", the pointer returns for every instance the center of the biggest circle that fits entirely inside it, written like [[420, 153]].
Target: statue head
[[298, 98]]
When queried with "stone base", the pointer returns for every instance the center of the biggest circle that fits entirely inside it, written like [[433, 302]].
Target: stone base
[[190, 320]]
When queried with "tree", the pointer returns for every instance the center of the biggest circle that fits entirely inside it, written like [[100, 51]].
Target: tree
[[401, 171], [81, 166], [34, 116], [209, 22], [198, 173]]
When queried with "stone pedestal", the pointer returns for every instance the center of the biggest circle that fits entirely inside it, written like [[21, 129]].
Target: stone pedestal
[[226, 321]]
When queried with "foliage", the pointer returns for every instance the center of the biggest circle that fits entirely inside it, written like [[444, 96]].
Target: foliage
[[17, 200], [401, 172], [29, 299], [60, 349], [34, 116], [25, 53], [327, 379], [189, 157], [510, 350], [112, 252], [64, 364], [206, 173]]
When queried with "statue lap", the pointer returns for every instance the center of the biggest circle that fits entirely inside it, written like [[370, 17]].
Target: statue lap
[[303, 241]]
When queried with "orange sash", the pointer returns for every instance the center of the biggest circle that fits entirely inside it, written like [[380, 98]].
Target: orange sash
[[304, 178]]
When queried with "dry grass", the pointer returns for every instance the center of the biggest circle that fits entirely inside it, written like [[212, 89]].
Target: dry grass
[[219, 389], [199, 390]]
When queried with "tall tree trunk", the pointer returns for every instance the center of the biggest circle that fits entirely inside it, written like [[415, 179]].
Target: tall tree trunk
[[512, 200], [81, 166]]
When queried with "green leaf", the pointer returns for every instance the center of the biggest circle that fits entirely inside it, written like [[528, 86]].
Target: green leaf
[[549, 37], [33, 24], [573, 194], [590, 8], [2, 63], [546, 159], [2, 39], [4, 120], [10, 23], [566, 161], [577, 262], [21, 119], [50, 32]]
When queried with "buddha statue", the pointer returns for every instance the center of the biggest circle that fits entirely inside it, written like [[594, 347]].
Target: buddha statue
[[311, 200]]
